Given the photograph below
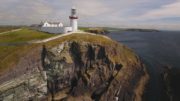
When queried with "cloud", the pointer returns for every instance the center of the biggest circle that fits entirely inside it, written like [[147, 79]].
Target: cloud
[[34, 11], [23, 11], [165, 11], [91, 8]]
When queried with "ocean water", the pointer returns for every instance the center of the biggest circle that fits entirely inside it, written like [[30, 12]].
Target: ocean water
[[156, 49]]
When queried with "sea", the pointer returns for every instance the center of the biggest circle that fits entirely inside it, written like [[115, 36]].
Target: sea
[[156, 49]]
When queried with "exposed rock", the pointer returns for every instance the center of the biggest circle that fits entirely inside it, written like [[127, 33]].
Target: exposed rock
[[90, 72], [26, 81]]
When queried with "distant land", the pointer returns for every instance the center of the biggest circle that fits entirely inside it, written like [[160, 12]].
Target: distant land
[[96, 30], [132, 29], [142, 30], [106, 29]]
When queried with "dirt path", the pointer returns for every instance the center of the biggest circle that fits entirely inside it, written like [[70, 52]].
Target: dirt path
[[61, 35], [15, 30]]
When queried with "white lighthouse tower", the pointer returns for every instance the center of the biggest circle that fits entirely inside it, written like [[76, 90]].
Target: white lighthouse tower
[[73, 20]]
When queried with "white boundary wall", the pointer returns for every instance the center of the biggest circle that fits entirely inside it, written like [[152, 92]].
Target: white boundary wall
[[54, 30]]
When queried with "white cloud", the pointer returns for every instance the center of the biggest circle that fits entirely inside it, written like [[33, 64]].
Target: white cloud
[[166, 11], [91, 7], [23, 11]]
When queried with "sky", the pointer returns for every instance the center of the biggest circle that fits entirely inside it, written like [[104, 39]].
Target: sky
[[156, 14]]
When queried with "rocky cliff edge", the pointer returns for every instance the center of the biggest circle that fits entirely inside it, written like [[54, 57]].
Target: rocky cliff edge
[[86, 70]]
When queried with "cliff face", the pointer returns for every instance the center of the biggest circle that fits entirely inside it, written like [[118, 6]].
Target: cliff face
[[25, 81], [83, 71]]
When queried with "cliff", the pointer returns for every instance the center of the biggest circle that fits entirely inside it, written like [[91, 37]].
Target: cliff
[[80, 67], [101, 71]]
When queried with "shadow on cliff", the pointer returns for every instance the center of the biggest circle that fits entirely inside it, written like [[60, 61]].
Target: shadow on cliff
[[170, 78]]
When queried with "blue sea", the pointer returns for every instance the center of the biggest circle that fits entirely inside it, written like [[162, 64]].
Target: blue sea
[[156, 49]]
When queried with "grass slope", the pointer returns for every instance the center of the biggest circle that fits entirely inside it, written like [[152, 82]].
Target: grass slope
[[10, 54], [23, 35]]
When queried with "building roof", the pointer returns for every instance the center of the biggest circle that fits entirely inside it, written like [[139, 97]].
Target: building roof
[[54, 22]]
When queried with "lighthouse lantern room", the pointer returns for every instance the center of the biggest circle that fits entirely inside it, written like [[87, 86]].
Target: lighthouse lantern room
[[73, 20]]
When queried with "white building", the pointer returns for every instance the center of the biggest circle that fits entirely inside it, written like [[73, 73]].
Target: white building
[[67, 29], [52, 24], [57, 27]]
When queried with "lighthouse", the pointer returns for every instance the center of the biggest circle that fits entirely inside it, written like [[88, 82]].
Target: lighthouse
[[73, 20]]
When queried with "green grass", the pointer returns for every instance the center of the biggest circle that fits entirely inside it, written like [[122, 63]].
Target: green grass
[[7, 28], [10, 55], [83, 28], [23, 35]]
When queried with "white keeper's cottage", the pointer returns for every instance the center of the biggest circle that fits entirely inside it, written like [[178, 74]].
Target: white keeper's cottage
[[52, 24], [58, 27]]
